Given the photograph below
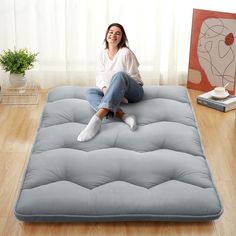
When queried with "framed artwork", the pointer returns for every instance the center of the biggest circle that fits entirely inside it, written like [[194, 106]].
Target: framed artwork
[[212, 59]]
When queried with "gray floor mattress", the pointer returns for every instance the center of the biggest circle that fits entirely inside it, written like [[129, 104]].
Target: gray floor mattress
[[158, 172]]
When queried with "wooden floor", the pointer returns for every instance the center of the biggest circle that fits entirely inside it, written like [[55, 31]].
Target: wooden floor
[[17, 131]]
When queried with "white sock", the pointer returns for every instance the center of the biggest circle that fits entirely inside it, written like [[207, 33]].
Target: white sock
[[130, 120], [125, 100], [91, 129]]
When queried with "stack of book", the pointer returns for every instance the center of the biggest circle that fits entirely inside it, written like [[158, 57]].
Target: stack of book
[[225, 104]]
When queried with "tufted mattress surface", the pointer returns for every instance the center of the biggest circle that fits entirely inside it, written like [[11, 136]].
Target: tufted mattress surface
[[158, 172]]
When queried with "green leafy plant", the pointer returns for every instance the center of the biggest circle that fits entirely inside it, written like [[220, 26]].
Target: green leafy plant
[[17, 61]]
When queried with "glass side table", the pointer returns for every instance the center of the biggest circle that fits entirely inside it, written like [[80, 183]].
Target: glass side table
[[26, 95]]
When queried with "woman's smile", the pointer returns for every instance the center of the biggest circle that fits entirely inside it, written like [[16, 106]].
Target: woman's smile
[[114, 35]]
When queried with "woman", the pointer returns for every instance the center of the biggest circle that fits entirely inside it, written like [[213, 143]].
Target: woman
[[118, 80]]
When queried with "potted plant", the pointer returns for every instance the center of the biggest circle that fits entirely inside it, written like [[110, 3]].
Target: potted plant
[[17, 62]]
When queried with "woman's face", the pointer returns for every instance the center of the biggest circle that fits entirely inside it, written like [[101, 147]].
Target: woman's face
[[114, 36]]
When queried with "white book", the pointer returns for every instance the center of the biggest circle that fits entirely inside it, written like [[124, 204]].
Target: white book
[[225, 104]]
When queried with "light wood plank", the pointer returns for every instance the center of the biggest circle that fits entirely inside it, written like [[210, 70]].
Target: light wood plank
[[218, 133], [11, 169], [18, 125], [226, 225]]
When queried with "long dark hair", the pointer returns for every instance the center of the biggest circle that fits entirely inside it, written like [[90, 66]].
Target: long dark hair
[[124, 39]]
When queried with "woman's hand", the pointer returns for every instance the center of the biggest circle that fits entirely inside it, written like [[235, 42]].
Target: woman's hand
[[104, 90]]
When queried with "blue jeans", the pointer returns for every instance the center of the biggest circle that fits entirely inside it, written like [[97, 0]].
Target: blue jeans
[[122, 85]]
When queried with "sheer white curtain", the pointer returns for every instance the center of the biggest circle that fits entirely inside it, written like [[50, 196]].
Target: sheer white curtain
[[68, 34]]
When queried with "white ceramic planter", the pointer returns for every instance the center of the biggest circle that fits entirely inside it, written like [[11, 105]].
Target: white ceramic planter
[[17, 80]]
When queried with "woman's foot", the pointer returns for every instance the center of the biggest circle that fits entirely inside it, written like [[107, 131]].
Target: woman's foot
[[130, 120], [125, 100], [91, 129]]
